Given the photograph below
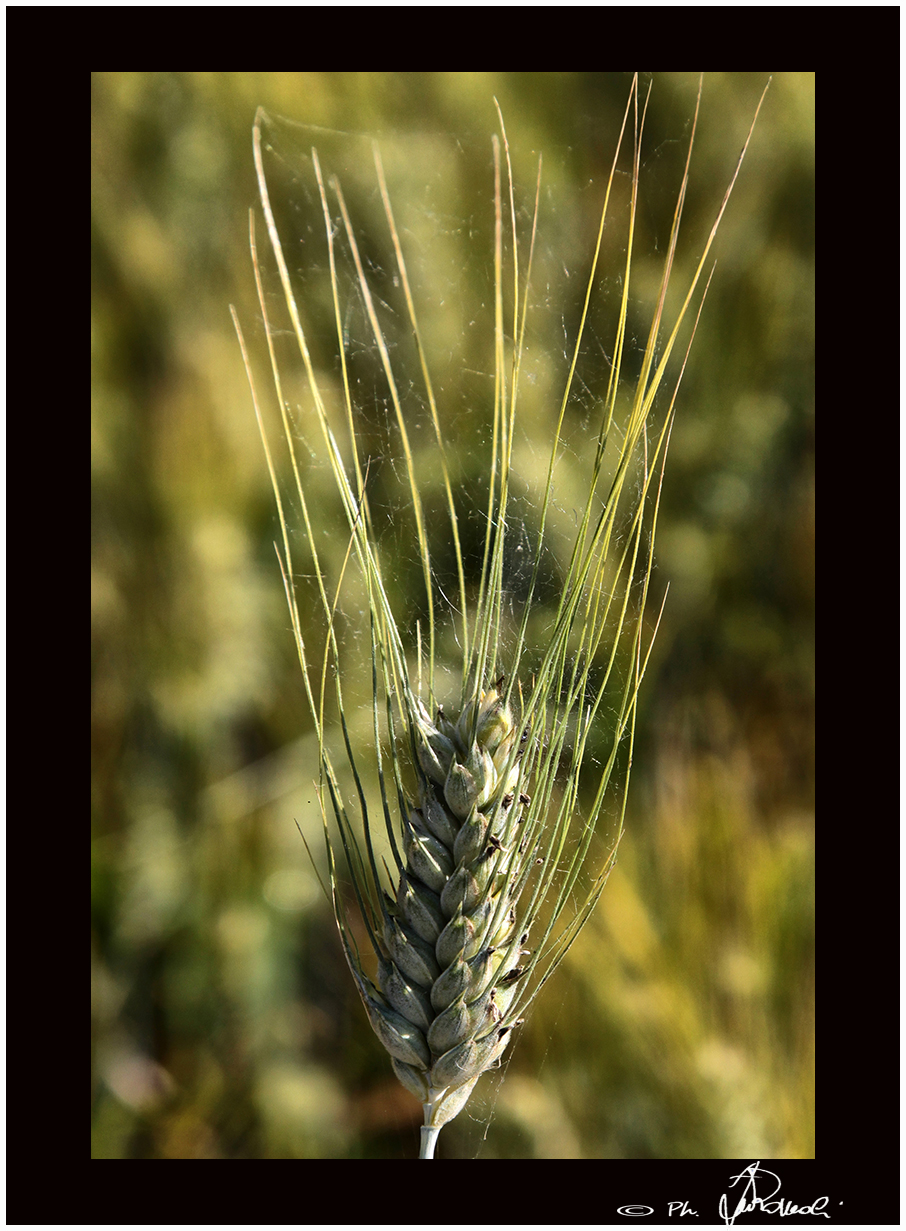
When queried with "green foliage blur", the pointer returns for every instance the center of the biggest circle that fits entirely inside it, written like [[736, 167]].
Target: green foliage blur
[[224, 1020]]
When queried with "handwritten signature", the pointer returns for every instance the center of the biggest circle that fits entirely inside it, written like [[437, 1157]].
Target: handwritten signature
[[768, 1202]]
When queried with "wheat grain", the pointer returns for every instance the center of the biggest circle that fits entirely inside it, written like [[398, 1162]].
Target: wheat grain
[[451, 940], [488, 845]]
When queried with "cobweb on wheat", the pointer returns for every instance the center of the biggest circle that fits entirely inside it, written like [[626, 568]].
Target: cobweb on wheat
[[442, 197]]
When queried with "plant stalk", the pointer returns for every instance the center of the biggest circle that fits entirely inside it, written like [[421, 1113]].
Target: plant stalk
[[429, 1140]]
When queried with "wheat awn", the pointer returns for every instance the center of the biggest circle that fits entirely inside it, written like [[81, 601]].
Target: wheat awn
[[486, 845]]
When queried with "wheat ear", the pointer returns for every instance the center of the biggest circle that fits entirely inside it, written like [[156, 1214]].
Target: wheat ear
[[469, 904]]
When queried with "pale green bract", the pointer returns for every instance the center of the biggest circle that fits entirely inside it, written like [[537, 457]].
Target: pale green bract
[[487, 884]]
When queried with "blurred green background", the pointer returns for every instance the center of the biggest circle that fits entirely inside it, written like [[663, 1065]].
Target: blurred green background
[[225, 1024]]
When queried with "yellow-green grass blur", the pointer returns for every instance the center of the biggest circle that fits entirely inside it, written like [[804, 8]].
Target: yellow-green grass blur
[[225, 1024]]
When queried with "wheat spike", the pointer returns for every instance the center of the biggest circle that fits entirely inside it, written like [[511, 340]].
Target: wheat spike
[[451, 942], [470, 905]]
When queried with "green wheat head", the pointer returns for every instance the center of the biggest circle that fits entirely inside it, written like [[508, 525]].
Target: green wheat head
[[481, 865]]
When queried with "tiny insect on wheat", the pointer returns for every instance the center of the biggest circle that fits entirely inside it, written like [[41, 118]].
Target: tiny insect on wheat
[[473, 882]]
